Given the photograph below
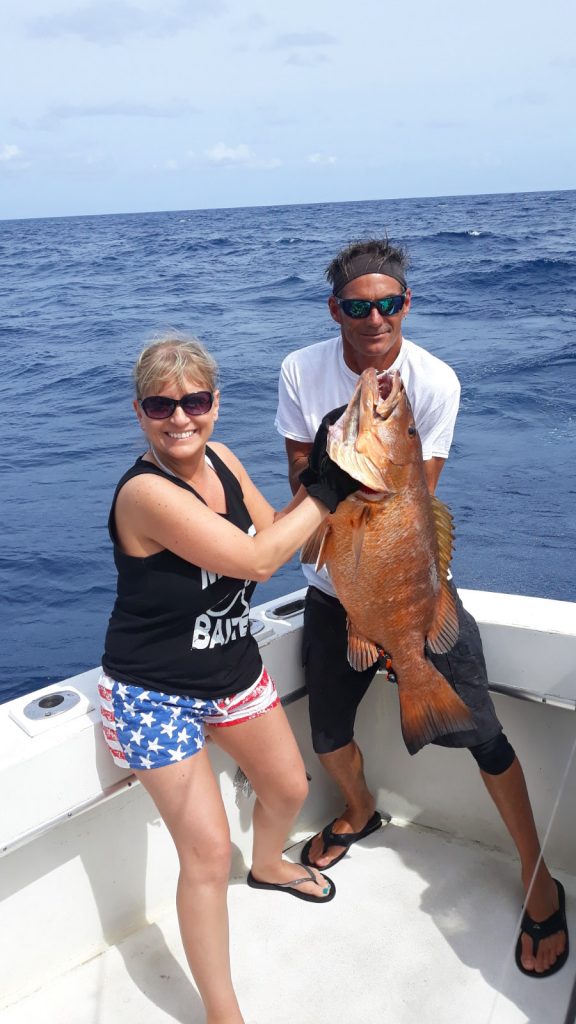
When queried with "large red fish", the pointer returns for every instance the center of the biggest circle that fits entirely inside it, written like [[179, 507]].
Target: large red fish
[[388, 549]]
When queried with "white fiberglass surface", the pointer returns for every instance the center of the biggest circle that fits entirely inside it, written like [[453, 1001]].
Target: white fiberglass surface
[[421, 931]]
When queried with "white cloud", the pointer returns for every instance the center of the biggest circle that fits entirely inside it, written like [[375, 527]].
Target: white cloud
[[9, 152], [319, 158], [223, 154], [240, 155], [12, 157]]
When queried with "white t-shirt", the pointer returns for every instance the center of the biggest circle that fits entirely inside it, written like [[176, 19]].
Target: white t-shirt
[[316, 379]]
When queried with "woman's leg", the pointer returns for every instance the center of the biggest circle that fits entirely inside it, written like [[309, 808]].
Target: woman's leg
[[189, 801], [267, 752]]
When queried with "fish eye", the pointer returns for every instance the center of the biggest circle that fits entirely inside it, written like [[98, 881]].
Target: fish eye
[[411, 430]]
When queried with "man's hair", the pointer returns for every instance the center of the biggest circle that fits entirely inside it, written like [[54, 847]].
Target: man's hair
[[378, 248]]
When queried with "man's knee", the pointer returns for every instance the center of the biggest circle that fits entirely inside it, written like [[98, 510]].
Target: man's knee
[[495, 756], [330, 740]]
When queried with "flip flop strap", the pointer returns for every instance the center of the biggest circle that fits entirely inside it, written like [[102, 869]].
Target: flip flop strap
[[299, 881], [538, 930], [330, 838]]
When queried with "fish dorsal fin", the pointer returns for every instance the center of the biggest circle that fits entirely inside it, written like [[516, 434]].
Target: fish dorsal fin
[[443, 633], [362, 653], [358, 531], [315, 549]]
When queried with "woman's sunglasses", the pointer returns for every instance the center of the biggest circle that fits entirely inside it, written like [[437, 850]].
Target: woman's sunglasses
[[157, 407], [359, 309]]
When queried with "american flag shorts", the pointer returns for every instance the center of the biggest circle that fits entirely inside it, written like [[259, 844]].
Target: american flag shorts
[[149, 729]]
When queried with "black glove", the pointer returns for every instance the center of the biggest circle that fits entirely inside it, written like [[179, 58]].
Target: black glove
[[323, 479]]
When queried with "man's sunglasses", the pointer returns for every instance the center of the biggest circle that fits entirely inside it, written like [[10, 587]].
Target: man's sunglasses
[[359, 309], [157, 407]]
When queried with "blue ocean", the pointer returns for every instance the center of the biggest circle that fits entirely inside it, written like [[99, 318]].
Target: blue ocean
[[494, 284]]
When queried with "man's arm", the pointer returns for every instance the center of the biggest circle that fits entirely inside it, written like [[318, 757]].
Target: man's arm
[[432, 469], [297, 452]]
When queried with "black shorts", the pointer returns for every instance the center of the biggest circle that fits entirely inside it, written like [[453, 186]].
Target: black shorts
[[335, 689]]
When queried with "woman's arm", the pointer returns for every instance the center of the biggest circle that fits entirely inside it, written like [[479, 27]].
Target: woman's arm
[[261, 511], [153, 509]]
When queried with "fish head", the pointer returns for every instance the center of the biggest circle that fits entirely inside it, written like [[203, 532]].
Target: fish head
[[375, 440]]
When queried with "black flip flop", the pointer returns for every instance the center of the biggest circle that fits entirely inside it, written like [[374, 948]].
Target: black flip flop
[[538, 930], [330, 838], [289, 887]]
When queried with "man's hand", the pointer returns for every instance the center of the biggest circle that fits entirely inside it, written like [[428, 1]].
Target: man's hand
[[323, 479]]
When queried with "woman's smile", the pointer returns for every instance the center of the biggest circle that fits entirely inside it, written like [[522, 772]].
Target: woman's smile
[[181, 436]]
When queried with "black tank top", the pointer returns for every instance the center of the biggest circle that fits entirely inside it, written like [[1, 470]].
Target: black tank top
[[176, 627]]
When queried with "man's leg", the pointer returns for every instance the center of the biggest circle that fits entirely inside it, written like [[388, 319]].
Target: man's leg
[[510, 795], [335, 691], [465, 669], [346, 768]]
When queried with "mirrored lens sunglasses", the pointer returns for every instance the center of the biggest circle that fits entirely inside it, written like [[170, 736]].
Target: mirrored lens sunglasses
[[158, 407], [359, 309]]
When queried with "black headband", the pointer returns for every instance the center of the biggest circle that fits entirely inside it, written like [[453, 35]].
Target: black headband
[[368, 263]]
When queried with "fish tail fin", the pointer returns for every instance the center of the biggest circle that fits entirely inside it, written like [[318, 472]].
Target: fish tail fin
[[430, 708]]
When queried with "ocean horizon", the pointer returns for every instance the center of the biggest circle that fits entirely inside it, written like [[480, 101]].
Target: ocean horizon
[[258, 206]]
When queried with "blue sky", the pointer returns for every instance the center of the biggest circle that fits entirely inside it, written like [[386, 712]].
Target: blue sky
[[111, 106]]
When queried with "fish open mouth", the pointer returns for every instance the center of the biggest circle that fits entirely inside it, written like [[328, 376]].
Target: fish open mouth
[[385, 384], [352, 440]]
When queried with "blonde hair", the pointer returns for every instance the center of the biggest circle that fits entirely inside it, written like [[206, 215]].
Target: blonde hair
[[174, 357]]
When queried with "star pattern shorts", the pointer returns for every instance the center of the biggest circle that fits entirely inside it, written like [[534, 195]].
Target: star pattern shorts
[[149, 729]]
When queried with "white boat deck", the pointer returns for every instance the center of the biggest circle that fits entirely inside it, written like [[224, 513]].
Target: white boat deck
[[421, 931]]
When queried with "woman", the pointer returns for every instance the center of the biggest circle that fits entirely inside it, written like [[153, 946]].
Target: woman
[[192, 535]]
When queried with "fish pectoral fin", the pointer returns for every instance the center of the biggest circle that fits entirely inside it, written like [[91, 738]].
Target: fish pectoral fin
[[444, 534], [443, 633], [362, 653], [315, 548]]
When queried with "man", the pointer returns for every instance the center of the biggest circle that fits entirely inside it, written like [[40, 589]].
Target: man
[[369, 301]]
